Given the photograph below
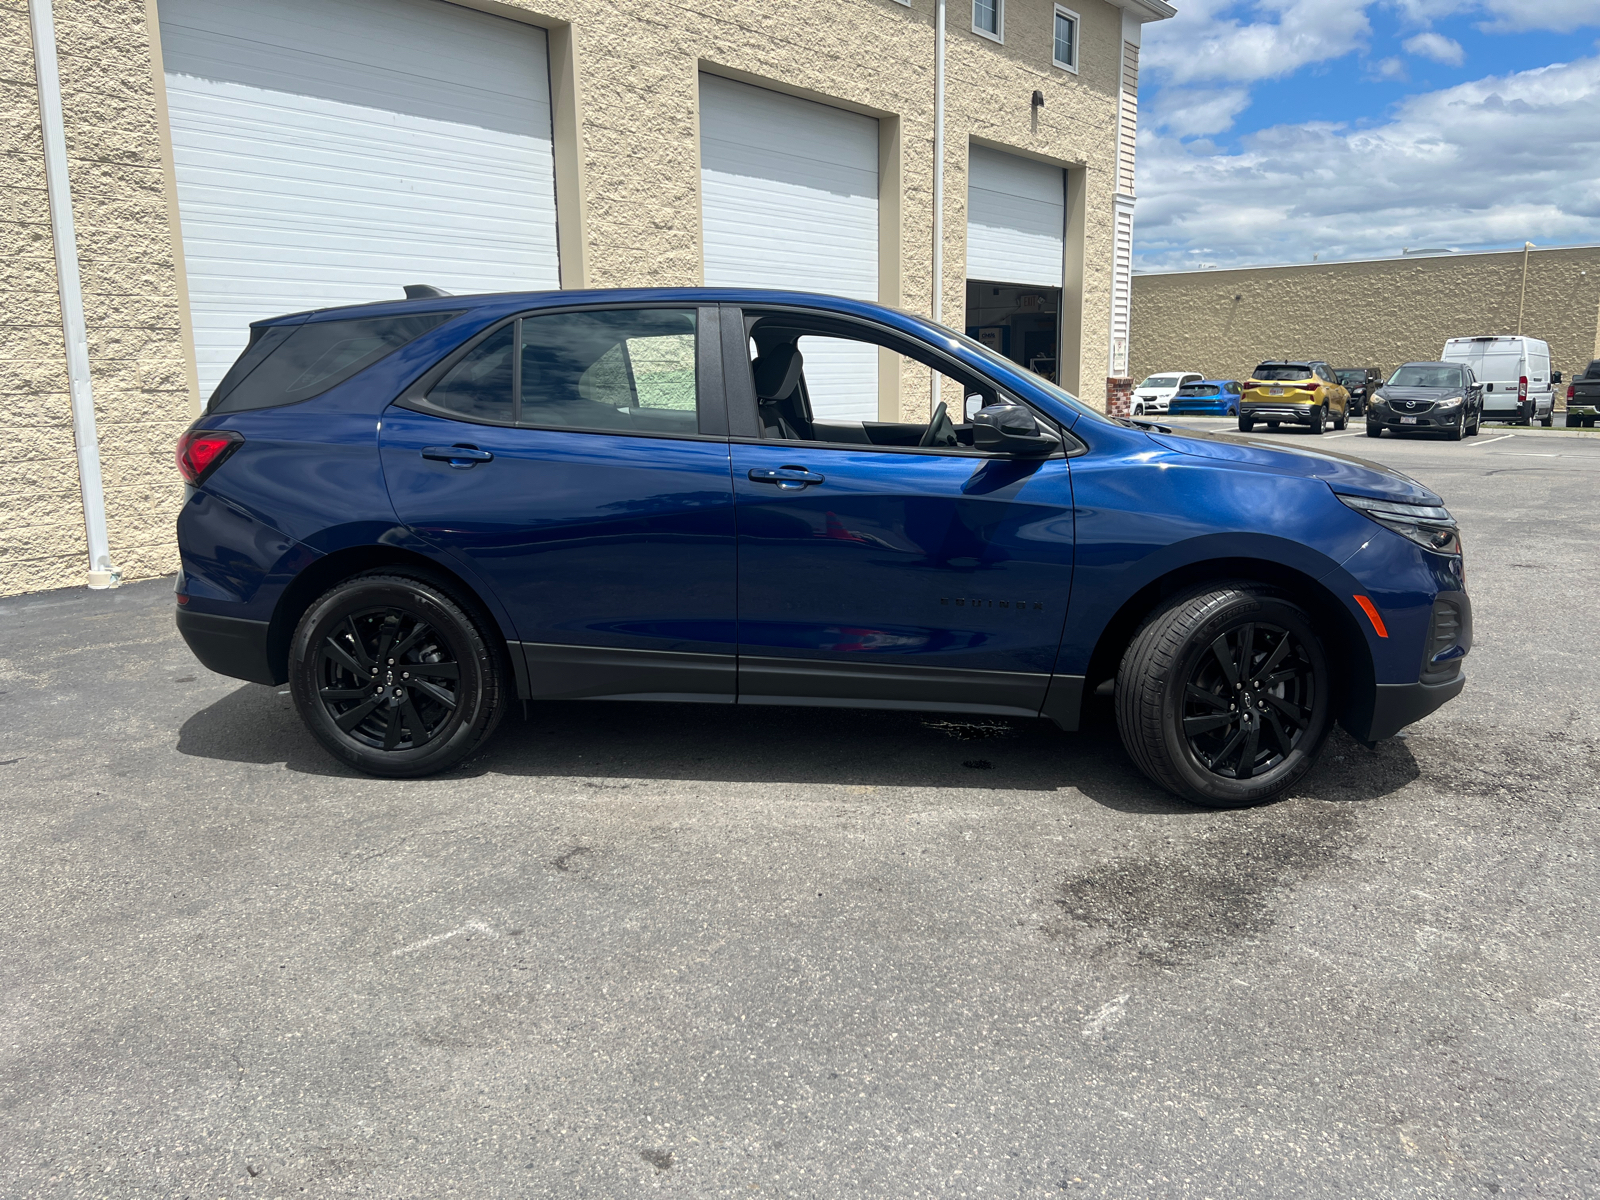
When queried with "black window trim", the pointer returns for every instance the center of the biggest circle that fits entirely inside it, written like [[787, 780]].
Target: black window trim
[[708, 374], [740, 388]]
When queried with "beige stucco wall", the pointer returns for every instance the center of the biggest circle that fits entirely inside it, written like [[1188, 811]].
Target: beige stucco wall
[[627, 83], [1379, 314]]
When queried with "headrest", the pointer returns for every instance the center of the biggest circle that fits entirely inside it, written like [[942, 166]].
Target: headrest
[[777, 372]]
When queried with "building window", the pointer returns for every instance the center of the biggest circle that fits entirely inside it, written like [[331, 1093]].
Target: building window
[[1065, 51], [988, 18]]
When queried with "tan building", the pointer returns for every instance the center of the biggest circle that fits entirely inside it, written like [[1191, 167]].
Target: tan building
[[1378, 313], [230, 160]]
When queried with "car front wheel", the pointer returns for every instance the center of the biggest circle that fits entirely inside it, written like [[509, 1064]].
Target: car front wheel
[[394, 677], [1223, 697], [1374, 429]]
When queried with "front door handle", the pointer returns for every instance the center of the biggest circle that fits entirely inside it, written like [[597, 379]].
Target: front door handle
[[460, 457], [788, 478]]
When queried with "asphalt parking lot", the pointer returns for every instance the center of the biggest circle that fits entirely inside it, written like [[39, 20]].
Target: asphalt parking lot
[[638, 949]]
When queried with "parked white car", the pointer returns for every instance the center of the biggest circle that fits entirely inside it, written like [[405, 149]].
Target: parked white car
[[1156, 392], [1514, 373]]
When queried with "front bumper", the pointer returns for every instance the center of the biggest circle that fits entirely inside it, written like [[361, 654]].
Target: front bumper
[[228, 645], [1435, 419], [1396, 705]]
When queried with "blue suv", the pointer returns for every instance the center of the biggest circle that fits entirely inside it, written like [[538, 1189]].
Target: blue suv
[[416, 512]]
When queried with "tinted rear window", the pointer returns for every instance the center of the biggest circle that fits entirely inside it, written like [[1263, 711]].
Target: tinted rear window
[[1198, 389], [1283, 371], [285, 364]]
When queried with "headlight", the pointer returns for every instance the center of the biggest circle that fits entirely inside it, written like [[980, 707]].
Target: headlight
[[1378, 398], [1431, 528], [1450, 403]]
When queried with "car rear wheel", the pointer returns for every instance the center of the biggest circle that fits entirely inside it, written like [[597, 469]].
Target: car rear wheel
[[1223, 697], [394, 676], [1317, 419]]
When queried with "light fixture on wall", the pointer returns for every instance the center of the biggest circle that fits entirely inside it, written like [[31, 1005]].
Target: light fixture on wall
[[1038, 99]]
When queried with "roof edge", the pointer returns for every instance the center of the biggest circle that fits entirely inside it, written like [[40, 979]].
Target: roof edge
[[1348, 262]]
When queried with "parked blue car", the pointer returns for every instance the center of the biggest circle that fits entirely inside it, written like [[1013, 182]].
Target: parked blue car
[[416, 512], [1208, 398]]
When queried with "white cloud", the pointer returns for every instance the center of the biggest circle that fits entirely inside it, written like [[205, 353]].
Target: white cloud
[[1208, 42], [1437, 47], [1183, 112], [1390, 69], [1485, 163], [1556, 16]]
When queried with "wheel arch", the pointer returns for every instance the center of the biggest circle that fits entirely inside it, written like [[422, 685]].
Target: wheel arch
[[1348, 652], [327, 570]]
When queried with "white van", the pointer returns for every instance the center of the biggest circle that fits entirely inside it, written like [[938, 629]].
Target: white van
[[1514, 373]]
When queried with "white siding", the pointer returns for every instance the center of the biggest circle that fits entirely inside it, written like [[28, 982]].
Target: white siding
[[1121, 288], [1016, 219], [330, 151], [789, 199]]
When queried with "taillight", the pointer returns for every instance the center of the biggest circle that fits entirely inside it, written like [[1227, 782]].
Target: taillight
[[1570, 392], [1522, 388], [202, 451]]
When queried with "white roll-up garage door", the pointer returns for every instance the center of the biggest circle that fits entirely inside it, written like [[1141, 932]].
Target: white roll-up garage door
[[789, 196], [1016, 219], [331, 151]]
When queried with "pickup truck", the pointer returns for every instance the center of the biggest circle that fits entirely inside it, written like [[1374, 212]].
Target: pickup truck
[[1583, 398]]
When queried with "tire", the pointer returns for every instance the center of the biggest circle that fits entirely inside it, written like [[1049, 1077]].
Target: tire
[[1172, 681], [1549, 420], [1344, 419], [1477, 424], [1138, 410], [1272, 426], [1460, 429], [453, 702], [1374, 429], [1318, 418], [1246, 424]]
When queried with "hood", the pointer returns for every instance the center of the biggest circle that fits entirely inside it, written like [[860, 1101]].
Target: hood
[[1341, 472], [1420, 393]]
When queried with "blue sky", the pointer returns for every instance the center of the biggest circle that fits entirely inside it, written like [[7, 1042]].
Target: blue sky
[[1275, 130]]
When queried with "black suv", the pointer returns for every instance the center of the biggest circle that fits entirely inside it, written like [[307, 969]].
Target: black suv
[[1360, 382]]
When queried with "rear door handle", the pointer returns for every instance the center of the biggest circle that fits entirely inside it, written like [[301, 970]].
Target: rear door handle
[[788, 478], [460, 457]]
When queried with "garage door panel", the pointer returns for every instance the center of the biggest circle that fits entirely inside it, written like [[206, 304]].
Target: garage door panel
[[1016, 219], [789, 195], [329, 151]]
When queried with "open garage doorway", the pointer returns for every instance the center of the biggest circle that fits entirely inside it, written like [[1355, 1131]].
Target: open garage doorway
[[1020, 321]]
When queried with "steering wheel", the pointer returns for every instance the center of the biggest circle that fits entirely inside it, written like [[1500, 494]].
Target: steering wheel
[[941, 430]]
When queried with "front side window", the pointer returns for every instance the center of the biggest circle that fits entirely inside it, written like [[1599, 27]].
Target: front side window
[[1064, 53], [987, 17]]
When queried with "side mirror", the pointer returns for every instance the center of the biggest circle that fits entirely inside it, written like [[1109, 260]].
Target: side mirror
[[1011, 429], [1555, 376]]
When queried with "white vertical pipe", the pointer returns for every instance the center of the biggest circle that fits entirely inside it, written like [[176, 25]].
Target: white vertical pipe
[[938, 185], [53, 126]]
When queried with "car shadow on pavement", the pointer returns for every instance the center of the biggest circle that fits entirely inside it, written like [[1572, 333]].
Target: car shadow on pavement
[[788, 746]]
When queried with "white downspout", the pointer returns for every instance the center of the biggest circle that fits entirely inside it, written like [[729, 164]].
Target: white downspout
[[938, 187], [101, 573]]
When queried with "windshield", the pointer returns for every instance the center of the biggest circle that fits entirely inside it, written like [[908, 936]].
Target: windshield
[[1427, 375], [1281, 371], [1160, 381]]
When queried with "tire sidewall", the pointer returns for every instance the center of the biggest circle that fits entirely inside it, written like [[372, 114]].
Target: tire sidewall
[[1215, 789], [476, 687]]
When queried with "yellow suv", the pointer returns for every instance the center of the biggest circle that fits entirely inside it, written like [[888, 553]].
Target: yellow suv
[[1296, 393]]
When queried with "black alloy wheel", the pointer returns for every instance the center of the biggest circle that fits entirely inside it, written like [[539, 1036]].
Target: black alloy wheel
[[393, 676], [1224, 697]]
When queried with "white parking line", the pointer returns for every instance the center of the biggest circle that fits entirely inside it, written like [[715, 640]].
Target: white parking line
[[1491, 441]]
